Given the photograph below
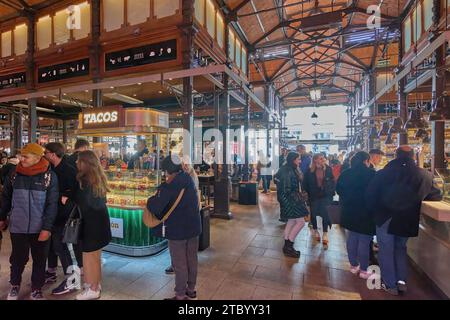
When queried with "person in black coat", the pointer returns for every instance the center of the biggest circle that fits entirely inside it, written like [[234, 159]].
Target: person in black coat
[[394, 197], [67, 182], [80, 146], [182, 228], [293, 208], [96, 227], [355, 216], [320, 186]]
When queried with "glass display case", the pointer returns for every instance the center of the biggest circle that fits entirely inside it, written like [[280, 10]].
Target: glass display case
[[442, 182], [129, 191]]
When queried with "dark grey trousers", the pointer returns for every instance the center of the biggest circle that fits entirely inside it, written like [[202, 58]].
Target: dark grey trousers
[[185, 262]]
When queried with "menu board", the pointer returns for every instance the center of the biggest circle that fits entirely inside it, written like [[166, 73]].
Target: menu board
[[132, 57], [64, 71], [13, 80]]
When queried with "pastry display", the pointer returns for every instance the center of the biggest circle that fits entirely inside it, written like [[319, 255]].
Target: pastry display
[[130, 188]]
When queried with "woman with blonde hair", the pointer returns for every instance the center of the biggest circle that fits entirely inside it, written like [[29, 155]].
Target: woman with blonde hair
[[320, 186], [95, 229]]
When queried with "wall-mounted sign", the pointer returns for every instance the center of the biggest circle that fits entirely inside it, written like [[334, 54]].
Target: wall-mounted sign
[[64, 71], [13, 80], [102, 118], [153, 53]]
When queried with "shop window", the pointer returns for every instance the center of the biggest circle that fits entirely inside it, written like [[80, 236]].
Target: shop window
[[113, 14], [220, 30], [44, 32], [85, 22], [407, 34], [428, 13], [231, 48], [138, 11], [61, 32], [6, 44], [210, 18], [244, 61], [20, 39], [238, 53], [166, 8], [417, 23], [199, 7]]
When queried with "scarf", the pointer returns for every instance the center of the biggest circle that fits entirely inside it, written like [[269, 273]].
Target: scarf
[[40, 167], [320, 175]]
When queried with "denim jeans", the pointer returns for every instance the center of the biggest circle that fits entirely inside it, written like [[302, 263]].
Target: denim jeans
[[358, 249], [391, 256]]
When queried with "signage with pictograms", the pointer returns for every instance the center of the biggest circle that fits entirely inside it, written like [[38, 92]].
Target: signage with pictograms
[[152, 53], [64, 71]]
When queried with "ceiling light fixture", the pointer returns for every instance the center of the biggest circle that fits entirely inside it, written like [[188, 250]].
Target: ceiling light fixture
[[123, 98]]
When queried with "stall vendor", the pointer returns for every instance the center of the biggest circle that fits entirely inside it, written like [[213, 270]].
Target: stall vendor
[[142, 150]]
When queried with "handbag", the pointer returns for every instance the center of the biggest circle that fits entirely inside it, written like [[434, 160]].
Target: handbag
[[152, 221], [72, 227]]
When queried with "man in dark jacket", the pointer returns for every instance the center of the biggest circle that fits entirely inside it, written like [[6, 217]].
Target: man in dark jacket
[[141, 151], [182, 228], [80, 145], [395, 196], [30, 197], [67, 182], [305, 158]]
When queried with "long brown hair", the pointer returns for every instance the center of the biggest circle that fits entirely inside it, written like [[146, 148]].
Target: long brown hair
[[312, 166], [91, 173]]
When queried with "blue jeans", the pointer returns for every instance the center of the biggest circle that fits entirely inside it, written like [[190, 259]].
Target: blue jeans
[[266, 182], [358, 249], [391, 256]]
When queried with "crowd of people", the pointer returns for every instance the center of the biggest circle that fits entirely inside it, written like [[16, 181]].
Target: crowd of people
[[384, 203], [43, 188]]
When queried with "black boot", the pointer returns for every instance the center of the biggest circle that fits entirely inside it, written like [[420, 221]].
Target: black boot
[[289, 250]]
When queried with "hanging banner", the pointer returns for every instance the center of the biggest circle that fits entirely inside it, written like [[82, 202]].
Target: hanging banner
[[152, 53], [64, 71]]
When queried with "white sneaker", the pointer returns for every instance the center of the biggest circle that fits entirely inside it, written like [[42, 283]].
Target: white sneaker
[[88, 294], [13, 293], [354, 270]]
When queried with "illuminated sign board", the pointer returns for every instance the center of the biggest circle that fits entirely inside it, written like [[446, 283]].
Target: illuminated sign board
[[152, 53], [102, 118]]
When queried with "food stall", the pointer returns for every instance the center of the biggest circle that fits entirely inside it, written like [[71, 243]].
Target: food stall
[[430, 251], [129, 188]]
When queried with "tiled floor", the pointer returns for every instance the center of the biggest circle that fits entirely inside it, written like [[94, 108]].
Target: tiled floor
[[244, 262]]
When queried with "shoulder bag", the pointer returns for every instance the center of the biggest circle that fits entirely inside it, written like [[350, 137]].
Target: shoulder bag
[[151, 221]]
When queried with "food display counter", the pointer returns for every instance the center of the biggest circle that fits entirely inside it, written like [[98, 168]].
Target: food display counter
[[430, 251], [130, 188]]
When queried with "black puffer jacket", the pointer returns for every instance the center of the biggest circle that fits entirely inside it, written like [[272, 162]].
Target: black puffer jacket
[[351, 188], [289, 194], [397, 192]]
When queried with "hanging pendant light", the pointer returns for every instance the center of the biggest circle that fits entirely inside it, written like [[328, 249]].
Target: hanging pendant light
[[314, 115], [384, 129], [441, 108], [421, 133], [373, 134], [414, 119], [397, 126], [389, 139]]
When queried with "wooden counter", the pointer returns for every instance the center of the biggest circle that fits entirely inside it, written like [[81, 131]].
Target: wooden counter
[[438, 210]]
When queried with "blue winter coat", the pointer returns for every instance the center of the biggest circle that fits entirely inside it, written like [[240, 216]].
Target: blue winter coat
[[184, 222], [30, 201]]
